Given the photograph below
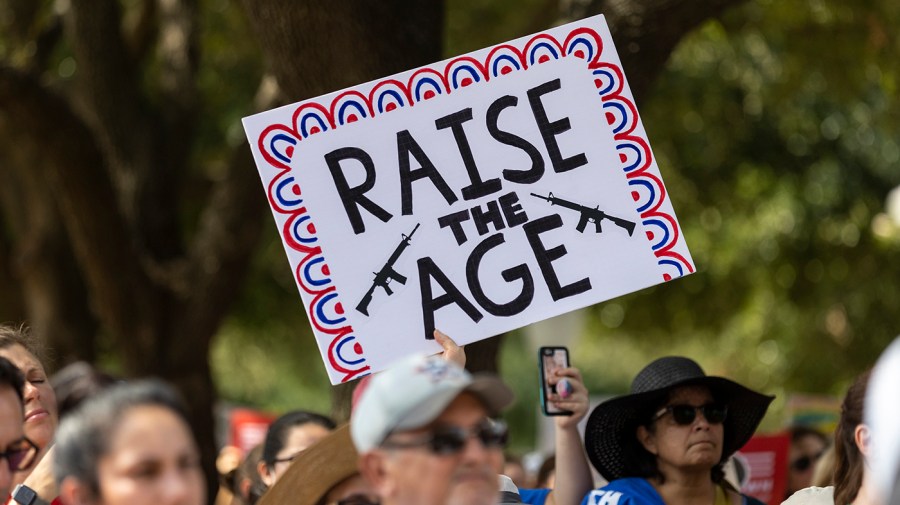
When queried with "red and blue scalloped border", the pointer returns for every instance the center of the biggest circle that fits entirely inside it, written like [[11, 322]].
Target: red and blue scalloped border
[[277, 142]]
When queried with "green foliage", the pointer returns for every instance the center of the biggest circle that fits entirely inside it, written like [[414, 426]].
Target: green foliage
[[776, 129]]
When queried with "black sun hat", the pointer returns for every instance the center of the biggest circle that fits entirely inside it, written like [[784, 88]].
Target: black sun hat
[[611, 428]]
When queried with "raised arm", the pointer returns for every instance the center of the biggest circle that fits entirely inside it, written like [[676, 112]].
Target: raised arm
[[573, 473]]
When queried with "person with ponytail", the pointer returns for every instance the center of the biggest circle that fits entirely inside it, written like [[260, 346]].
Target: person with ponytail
[[852, 446]]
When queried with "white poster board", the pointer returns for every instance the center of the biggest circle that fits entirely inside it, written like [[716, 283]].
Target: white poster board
[[476, 195]]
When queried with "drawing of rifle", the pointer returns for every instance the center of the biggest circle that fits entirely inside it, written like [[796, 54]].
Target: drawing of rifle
[[387, 273], [588, 214]]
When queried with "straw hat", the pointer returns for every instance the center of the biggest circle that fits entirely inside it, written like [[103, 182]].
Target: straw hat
[[315, 471], [611, 428]]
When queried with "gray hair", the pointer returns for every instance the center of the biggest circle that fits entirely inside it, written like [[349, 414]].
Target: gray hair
[[84, 436]]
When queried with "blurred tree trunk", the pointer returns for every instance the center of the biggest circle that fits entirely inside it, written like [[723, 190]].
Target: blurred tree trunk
[[95, 170], [42, 265]]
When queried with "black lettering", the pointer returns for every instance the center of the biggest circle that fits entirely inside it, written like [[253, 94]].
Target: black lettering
[[454, 221], [406, 146], [516, 273], [490, 215], [512, 210], [549, 130], [427, 271], [537, 161], [354, 198], [478, 188], [545, 257]]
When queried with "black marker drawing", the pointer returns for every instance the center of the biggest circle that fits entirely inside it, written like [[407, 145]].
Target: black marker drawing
[[387, 273], [588, 214]]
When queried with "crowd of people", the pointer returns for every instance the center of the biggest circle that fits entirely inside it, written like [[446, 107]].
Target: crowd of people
[[427, 432]]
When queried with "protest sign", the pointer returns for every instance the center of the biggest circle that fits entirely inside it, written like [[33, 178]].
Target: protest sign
[[476, 195], [763, 467], [247, 428]]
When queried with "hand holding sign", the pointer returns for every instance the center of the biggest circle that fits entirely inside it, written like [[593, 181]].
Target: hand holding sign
[[452, 352]]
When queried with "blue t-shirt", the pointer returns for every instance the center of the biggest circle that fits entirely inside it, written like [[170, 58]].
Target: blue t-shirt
[[634, 491], [628, 491], [534, 496]]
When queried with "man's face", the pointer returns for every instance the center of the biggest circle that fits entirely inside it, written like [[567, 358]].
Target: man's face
[[418, 476], [11, 432]]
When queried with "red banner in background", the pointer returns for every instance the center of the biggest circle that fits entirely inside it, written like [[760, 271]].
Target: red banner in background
[[247, 428], [762, 467]]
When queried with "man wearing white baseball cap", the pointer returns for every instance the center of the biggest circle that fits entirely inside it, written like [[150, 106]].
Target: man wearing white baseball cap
[[425, 433]]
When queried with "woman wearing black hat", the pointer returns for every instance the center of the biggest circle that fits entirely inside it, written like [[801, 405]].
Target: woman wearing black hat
[[666, 442]]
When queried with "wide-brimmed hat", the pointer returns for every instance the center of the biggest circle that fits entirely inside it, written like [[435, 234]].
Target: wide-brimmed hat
[[315, 471], [611, 428]]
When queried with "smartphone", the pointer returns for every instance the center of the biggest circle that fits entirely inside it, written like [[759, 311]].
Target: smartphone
[[549, 360]]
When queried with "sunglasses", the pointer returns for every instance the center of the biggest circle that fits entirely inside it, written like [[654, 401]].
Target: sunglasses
[[803, 463], [451, 439], [358, 499], [684, 415], [20, 455]]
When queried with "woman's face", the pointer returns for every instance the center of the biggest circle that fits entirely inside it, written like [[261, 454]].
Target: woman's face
[[298, 439], [802, 457], [152, 460], [695, 446], [40, 401]]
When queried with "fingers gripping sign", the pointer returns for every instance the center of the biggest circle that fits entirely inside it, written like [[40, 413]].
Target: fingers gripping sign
[[452, 352]]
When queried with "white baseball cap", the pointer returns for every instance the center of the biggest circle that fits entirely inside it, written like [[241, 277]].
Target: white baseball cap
[[413, 393]]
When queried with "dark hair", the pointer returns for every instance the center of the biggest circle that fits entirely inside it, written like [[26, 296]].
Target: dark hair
[[638, 461], [246, 471], [84, 436], [21, 335], [77, 382], [848, 461], [799, 431], [11, 376], [278, 432], [547, 467]]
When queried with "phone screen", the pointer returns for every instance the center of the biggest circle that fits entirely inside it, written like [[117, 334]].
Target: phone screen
[[551, 359]]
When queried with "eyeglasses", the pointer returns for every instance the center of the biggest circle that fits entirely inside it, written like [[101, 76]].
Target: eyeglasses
[[803, 463], [20, 455], [714, 413], [358, 499], [288, 459], [451, 440]]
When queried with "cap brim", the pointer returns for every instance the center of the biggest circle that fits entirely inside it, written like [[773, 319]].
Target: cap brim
[[611, 426]]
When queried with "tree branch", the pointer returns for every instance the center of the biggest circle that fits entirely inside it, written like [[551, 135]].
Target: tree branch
[[178, 53], [141, 33], [108, 79], [130, 133]]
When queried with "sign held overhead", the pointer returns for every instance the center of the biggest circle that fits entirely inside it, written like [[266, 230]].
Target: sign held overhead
[[459, 195]]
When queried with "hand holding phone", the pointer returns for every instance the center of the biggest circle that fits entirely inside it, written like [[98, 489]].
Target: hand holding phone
[[551, 359]]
